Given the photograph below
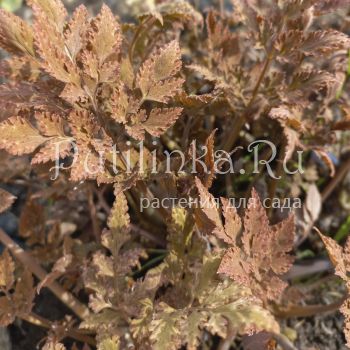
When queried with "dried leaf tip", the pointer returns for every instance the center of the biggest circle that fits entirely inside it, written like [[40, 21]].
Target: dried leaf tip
[[6, 200]]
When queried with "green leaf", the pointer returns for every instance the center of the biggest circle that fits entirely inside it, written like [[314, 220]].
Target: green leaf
[[343, 231], [165, 330], [10, 5]]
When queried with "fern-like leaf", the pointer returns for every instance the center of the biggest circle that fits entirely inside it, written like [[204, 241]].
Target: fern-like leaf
[[18, 136], [16, 36], [155, 78]]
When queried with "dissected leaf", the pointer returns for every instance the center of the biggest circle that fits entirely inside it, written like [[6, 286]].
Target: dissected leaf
[[340, 258], [105, 37], [159, 120], [53, 11], [16, 36], [18, 136], [76, 30], [155, 77], [260, 254]]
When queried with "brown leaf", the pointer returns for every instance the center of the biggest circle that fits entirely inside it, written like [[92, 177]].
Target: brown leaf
[[58, 145], [104, 35], [18, 136], [155, 78], [24, 294], [340, 258], [58, 270], [336, 254], [161, 119], [52, 11], [16, 36], [177, 10], [119, 218], [342, 125], [324, 42], [323, 154], [207, 175], [7, 269], [76, 30], [50, 42], [6, 200], [263, 254], [212, 220], [233, 223]]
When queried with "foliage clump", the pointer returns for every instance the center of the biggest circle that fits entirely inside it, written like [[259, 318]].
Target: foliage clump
[[102, 101]]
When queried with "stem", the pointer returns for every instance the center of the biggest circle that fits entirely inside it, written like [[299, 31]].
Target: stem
[[150, 263], [29, 262], [39, 321], [93, 216], [231, 140], [279, 171], [341, 173], [144, 27], [225, 344], [158, 240], [265, 156], [284, 342], [308, 310]]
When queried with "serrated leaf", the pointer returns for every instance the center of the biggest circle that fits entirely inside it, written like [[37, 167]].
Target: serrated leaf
[[165, 330], [176, 10], [211, 222], [264, 252], [119, 218], [336, 254], [50, 42], [52, 11], [162, 91], [155, 78], [76, 30], [58, 145], [324, 42], [193, 329], [140, 325], [104, 264], [18, 136], [159, 120], [104, 36], [97, 303], [16, 36], [319, 43], [340, 258], [99, 321]]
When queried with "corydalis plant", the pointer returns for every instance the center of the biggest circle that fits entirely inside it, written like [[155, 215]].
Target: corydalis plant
[[97, 83]]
